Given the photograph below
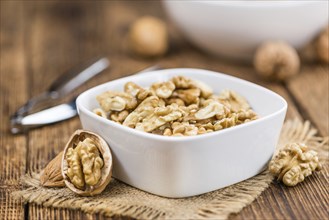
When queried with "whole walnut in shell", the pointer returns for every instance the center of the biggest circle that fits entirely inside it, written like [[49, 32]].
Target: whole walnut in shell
[[276, 60], [322, 46], [148, 37], [86, 163]]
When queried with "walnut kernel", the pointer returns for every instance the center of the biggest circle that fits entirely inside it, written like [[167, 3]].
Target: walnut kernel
[[163, 89], [233, 100], [189, 96], [161, 116], [206, 91], [51, 175], [119, 116], [293, 163], [100, 112], [178, 107], [178, 101], [136, 91], [226, 122], [276, 60], [182, 82], [116, 101], [184, 129], [145, 108], [210, 110]]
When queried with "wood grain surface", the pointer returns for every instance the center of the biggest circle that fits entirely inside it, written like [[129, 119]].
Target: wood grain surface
[[41, 39]]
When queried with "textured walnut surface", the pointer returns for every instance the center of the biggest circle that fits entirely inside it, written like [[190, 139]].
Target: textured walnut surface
[[86, 163], [100, 25], [322, 45], [276, 60], [178, 107], [52, 175], [293, 163]]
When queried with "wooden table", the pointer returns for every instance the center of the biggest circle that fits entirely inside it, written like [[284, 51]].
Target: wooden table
[[40, 40]]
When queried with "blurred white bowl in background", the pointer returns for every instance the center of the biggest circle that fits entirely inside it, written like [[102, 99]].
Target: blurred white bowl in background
[[234, 29]]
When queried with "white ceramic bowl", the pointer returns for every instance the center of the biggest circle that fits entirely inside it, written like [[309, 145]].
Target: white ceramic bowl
[[187, 166], [234, 29]]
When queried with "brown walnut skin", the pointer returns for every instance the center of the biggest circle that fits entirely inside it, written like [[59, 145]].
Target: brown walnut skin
[[106, 170], [276, 60]]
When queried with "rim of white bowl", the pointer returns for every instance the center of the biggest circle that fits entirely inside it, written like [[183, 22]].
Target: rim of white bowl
[[180, 138]]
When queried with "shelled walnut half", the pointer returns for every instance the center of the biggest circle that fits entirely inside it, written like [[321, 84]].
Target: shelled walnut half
[[293, 163], [86, 163]]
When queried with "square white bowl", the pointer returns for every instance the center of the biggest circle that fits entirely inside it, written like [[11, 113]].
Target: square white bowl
[[187, 166]]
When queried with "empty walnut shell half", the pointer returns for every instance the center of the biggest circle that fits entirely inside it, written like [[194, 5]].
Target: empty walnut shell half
[[86, 163]]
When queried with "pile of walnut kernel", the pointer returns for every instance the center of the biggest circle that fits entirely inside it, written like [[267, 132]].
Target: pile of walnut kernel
[[178, 107], [294, 163]]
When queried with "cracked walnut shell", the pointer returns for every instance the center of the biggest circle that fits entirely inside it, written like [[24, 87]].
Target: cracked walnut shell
[[51, 175], [322, 45], [293, 163], [86, 163]]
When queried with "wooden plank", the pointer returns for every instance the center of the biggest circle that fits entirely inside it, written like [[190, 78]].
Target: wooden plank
[[71, 40], [70, 51], [13, 80], [311, 91], [308, 200]]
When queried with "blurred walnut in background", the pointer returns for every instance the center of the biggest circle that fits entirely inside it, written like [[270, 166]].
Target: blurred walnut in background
[[148, 37]]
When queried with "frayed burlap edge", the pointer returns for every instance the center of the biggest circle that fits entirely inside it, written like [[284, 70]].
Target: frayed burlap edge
[[121, 199]]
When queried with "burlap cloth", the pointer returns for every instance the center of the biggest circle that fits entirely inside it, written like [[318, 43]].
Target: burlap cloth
[[121, 199]]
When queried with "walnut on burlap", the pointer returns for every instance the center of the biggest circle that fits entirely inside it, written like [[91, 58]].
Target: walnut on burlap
[[122, 199]]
